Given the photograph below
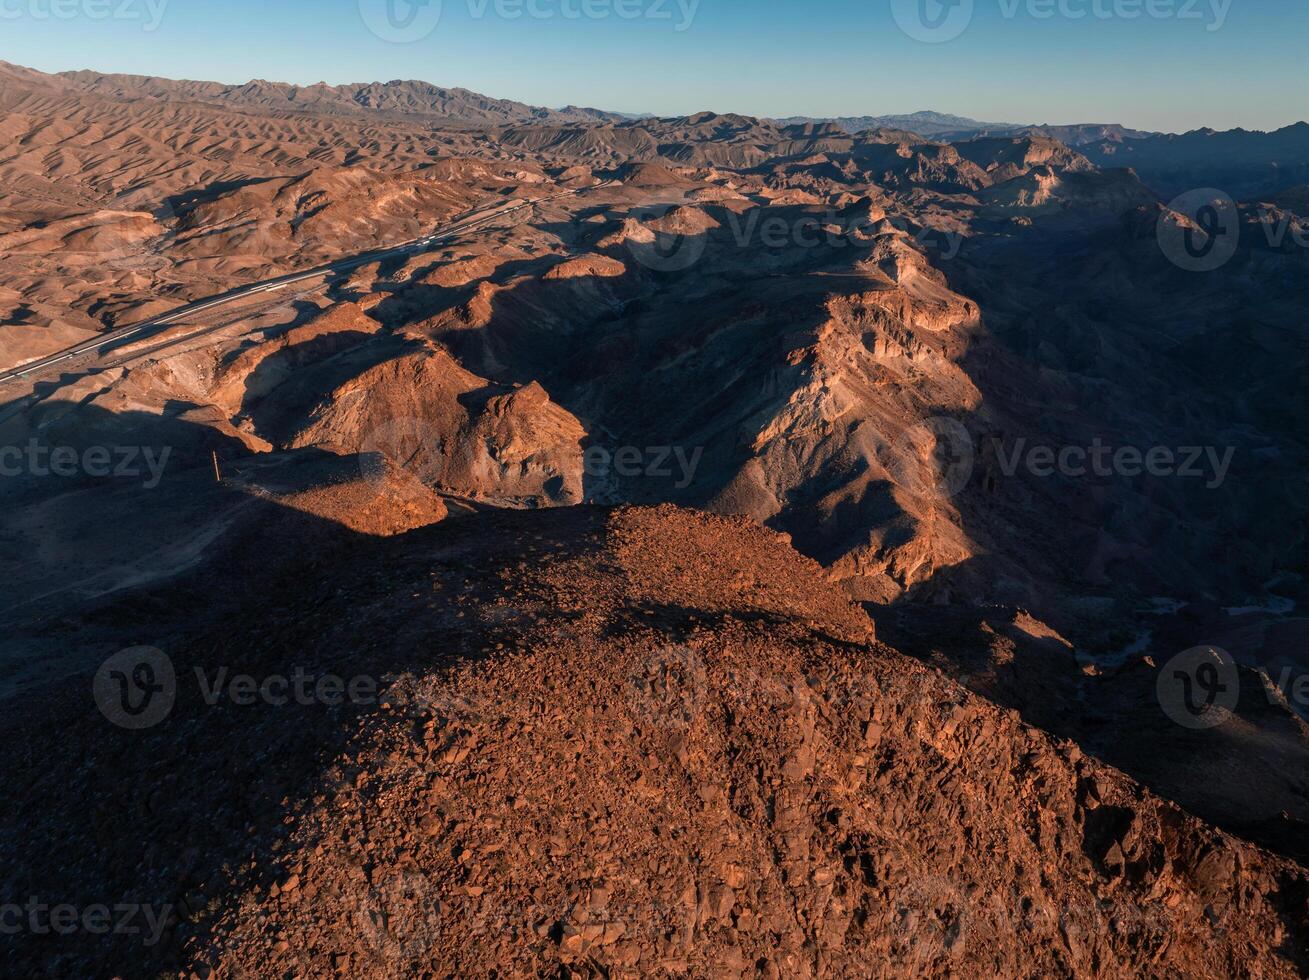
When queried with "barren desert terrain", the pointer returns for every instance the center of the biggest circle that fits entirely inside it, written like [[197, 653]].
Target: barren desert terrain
[[732, 547]]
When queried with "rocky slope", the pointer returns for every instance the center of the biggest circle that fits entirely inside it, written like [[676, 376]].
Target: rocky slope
[[401, 97], [1241, 163], [943, 126], [925, 123], [612, 743], [801, 320], [854, 341]]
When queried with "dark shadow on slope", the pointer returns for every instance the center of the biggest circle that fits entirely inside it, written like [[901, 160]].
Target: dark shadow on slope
[[279, 367], [181, 204], [300, 391], [185, 815], [1160, 360]]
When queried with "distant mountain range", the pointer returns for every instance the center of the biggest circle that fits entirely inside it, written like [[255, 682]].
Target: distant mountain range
[[943, 126], [1242, 163], [459, 106], [925, 123], [407, 98]]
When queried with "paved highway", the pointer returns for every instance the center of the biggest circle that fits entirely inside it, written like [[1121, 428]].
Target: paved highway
[[114, 338]]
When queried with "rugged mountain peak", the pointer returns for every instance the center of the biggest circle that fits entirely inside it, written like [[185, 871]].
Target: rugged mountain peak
[[821, 799]]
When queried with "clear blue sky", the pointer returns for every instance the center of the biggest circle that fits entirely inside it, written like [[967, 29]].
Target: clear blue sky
[[1011, 63]]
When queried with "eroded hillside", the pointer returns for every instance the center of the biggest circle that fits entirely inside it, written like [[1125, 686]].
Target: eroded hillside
[[870, 362]]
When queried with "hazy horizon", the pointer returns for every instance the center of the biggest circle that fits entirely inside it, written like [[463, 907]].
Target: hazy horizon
[[882, 112], [447, 536], [1221, 64]]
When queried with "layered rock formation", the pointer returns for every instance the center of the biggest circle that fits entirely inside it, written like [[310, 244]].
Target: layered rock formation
[[625, 742]]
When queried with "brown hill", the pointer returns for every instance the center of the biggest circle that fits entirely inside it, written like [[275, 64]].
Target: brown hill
[[394, 98], [628, 742], [862, 342]]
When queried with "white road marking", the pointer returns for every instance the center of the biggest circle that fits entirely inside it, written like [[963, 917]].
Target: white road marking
[[470, 223]]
